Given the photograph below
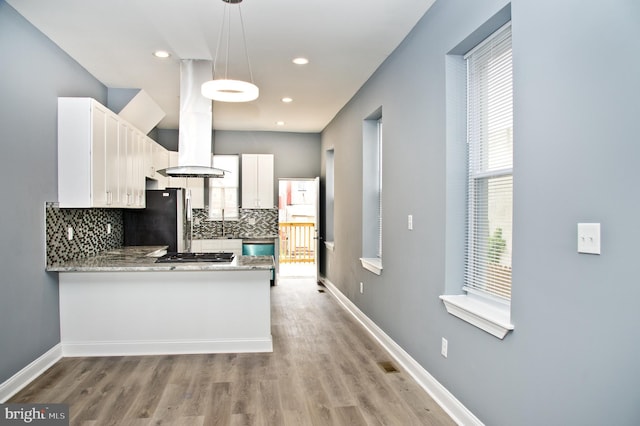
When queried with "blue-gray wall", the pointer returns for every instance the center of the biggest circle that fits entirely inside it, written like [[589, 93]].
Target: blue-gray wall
[[572, 356], [296, 155], [572, 359], [33, 73]]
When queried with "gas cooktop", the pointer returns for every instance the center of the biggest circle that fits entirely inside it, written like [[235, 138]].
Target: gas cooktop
[[196, 257]]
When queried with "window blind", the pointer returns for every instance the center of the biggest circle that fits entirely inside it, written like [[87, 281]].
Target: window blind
[[490, 167]]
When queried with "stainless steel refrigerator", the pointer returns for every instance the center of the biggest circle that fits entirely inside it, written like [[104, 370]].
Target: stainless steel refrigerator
[[166, 220]]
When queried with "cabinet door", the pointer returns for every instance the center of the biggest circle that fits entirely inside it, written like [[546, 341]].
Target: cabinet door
[[100, 187], [265, 181], [234, 246], [139, 169], [257, 181], [112, 162], [147, 160], [125, 164], [160, 162], [250, 181]]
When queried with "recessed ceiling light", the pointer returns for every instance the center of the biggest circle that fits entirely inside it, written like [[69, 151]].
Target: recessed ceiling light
[[286, 100], [280, 123], [300, 61], [161, 54]]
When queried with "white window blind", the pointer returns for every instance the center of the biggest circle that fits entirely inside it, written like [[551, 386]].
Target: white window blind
[[490, 186]]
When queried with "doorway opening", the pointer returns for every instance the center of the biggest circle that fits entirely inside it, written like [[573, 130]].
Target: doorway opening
[[298, 204]]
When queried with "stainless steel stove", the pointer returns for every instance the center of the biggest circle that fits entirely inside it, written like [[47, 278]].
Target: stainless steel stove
[[196, 257]]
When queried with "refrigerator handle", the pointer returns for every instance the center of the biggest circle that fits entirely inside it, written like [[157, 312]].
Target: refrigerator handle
[[188, 235], [188, 206]]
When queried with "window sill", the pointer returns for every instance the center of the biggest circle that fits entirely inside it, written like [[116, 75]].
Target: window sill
[[491, 318], [330, 245], [372, 264]]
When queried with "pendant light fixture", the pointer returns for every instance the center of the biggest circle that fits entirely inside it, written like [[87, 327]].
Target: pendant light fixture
[[222, 88]]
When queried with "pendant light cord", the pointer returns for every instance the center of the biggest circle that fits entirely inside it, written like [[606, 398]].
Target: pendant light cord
[[227, 13], [244, 42], [222, 25]]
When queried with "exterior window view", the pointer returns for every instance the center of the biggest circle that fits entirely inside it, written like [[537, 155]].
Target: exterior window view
[[298, 210]]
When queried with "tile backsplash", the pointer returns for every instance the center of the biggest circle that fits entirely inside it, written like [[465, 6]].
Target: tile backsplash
[[89, 232], [90, 229], [251, 223]]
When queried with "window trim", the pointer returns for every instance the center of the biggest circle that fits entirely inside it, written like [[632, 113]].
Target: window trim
[[490, 314], [329, 231], [494, 318], [373, 264], [371, 259]]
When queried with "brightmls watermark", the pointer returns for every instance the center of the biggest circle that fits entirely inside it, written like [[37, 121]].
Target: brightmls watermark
[[34, 414]]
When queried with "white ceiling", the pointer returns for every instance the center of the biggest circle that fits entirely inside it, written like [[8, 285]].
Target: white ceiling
[[345, 42]]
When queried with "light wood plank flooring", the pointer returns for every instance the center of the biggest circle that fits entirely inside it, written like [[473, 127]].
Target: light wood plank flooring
[[324, 371]]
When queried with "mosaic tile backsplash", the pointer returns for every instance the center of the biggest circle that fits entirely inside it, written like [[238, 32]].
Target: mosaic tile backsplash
[[89, 232], [251, 223], [90, 229]]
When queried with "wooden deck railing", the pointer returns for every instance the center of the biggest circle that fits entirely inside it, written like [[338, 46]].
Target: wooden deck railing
[[297, 242]]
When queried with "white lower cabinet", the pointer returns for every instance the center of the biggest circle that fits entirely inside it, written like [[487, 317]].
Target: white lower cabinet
[[217, 245], [126, 312]]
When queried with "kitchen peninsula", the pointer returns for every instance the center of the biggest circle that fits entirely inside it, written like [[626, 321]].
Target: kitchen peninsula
[[122, 302]]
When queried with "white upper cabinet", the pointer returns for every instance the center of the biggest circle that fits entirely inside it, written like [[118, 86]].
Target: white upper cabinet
[[132, 161], [257, 181], [100, 157], [158, 159]]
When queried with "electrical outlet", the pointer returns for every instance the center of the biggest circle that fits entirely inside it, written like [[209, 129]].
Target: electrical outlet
[[108, 228], [361, 288], [69, 233], [445, 347], [410, 222]]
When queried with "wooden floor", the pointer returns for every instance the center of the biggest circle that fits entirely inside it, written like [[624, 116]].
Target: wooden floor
[[325, 370]]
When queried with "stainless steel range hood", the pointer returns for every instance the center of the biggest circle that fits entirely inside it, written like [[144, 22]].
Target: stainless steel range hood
[[194, 133]]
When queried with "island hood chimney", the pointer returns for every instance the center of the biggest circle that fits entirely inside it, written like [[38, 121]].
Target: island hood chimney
[[195, 129]]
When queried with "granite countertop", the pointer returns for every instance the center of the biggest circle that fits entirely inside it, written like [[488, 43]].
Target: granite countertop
[[142, 258], [259, 237]]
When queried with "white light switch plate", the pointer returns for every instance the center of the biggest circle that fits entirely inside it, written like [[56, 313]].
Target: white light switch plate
[[589, 238]]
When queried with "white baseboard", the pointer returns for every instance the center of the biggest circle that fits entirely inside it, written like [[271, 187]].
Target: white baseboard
[[454, 408], [113, 348], [25, 376]]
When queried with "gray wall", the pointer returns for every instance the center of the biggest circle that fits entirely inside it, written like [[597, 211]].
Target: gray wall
[[296, 155], [33, 73], [572, 356], [572, 359]]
